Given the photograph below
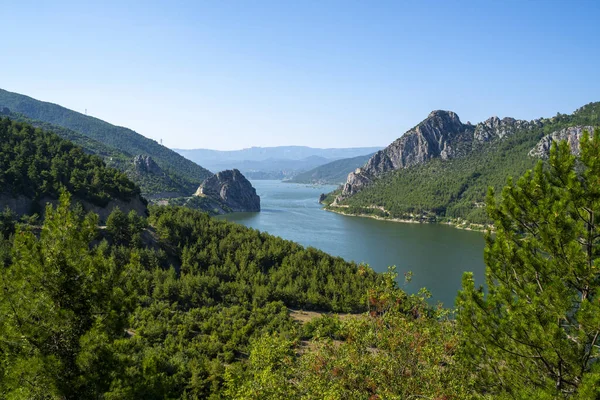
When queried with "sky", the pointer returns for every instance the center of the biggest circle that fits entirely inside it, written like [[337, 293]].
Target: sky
[[234, 74]]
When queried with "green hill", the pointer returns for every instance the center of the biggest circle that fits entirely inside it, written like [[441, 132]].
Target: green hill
[[153, 182], [180, 170], [36, 165], [183, 306], [454, 187], [332, 173]]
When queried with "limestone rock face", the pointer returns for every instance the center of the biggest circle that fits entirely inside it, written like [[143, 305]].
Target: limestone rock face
[[433, 137], [440, 135], [145, 164], [232, 189], [495, 127], [571, 134]]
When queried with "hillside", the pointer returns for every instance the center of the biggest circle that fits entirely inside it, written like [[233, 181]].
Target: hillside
[[183, 172], [35, 166], [333, 173], [153, 182], [442, 168], [283, 162], [89, 145], [183, 306]]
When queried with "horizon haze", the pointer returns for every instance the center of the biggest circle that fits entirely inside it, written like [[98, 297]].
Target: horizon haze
[[228, 76]]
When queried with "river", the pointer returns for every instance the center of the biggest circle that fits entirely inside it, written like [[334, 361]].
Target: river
[[436, 254]]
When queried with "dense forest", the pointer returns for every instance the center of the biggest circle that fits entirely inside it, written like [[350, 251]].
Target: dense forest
[[153, 308], [182, 171], [456, 188], [152, 183], [182, 306], [38, 164]]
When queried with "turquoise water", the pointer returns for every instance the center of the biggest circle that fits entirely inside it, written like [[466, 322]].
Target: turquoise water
[[437, 255]]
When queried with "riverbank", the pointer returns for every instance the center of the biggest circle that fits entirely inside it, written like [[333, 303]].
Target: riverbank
[[455, 223]]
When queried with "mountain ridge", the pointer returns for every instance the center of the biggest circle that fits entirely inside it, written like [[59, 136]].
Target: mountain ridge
[[442, 168], [184, 172]]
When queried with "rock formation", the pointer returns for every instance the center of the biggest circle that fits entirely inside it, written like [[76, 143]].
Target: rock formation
[[232, 189], [571, 134], [494, 128], [145, 164], [440, 135]]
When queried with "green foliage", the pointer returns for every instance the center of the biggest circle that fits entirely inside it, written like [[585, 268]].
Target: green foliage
[[8, 222], [149, 183], [535, 333], [181, 170], [126, 230], [59, 300], [258, 267], [406, 350], [156, 311], [38, 164], [89, 145], [457, 188]]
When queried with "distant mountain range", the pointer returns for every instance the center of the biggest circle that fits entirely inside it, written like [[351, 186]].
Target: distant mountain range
[[441, 169], [333, 173], [283, 162]]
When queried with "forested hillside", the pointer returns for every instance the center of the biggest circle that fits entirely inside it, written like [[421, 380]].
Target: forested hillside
[[183, 306], [180, 170], [155, 312], [456, 187], [89, 145], [35, 164], [332, 173]]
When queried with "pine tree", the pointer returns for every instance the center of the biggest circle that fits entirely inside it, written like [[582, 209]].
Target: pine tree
[[535, 333], [61, 306]]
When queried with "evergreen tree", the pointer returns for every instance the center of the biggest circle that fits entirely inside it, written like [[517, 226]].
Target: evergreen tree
[[61, 305], [535, 334]]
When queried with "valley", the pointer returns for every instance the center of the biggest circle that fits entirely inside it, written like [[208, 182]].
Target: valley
[[436, 254], [289, 201]]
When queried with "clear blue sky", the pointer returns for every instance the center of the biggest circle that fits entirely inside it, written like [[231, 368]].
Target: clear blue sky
[[234, 74]]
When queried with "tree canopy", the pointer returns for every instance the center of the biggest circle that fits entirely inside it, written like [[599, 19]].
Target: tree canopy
[[535, 333], [37, 164]]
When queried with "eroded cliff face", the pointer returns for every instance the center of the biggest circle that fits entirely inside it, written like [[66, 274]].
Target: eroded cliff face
[[145, 164], [232, 189], [440, 135], [572, 135], [496, 128]]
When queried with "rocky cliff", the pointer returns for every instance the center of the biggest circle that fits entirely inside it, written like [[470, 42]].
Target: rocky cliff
[[155, 182], [145, 164], [231, 189], [496, 128], [571, 134], [440, 135]]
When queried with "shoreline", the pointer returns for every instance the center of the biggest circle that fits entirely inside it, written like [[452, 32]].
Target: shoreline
[[479, 227]]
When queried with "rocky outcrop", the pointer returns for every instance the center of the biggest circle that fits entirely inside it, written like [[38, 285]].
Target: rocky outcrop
[[494, 128], [232, 189], [433, 137], [145, 164], [571, 134], [440, 135], [154, 182]]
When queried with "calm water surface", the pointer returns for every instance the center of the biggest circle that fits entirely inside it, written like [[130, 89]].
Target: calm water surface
[[437, 255]]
